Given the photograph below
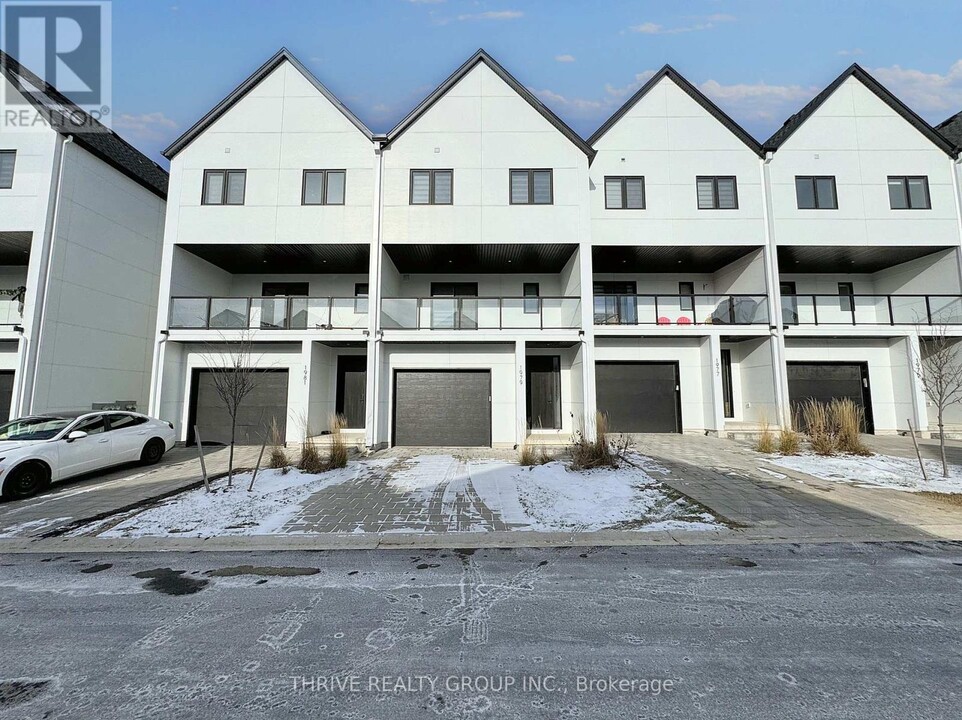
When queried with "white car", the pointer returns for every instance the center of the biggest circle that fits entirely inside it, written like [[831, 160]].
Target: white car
[[38, 450]]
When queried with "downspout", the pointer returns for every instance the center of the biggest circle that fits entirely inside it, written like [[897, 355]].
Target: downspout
[[374, 302], [44, 286], [776, 329]]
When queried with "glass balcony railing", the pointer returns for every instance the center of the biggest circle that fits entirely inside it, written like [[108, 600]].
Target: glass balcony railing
[[872, 309], [10, 314], [268, 313], [481, 313], [681, 310]]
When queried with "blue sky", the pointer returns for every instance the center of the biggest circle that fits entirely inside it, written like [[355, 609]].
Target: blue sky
[[760, 60]]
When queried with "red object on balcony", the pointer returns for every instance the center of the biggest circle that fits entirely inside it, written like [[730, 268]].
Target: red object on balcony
[[664, 321], [684, 320]]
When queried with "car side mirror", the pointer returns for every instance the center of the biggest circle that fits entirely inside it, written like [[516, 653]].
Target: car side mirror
[[76, 435]]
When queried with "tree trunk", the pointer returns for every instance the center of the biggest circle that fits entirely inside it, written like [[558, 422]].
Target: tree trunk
[[230, 459], [945, 464]]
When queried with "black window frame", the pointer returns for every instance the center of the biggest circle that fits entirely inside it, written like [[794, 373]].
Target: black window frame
[[324, 175], [432, 186], [530, 172], [714, 191], [814, 181], [623, 179], [531, 308], [846, 296], [361, 300], [686, 300], [226, 172], [904, 180], [13, 172]]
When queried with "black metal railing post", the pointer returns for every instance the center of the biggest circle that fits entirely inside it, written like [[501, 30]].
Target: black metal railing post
[[928, 309], [891, 314]]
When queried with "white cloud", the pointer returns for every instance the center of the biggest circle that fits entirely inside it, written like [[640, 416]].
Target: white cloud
[[493, 15], [706, 22], [564, 58], [924, 92], [147, 126]]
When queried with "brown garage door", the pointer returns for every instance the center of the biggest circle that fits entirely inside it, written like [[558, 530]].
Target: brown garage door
[[445, 408], [266, 402]]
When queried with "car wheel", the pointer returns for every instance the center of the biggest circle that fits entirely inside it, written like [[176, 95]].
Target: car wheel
[[26, 481], [153, 451]]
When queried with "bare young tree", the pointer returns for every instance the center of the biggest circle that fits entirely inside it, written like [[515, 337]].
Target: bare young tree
[[939, 369], [234, 374]]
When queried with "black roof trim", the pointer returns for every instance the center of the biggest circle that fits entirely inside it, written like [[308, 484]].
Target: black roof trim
[[697, 95], [87, 132], [249, 84], [880, 91], [951, 129], [482, 56]]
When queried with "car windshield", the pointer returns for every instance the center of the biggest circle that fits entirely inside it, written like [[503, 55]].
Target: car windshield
[[40, 428]]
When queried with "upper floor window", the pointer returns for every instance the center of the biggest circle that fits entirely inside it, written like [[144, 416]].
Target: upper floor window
[[717, 193], [224, 187], [816, 193], [432, 187], [532, 187], [624, 193], [909, 193], [323, 187], [7, 160]]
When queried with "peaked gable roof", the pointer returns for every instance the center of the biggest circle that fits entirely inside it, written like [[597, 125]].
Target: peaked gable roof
[[694, 93], [879, 90], [481, 56], [951, 129], [249, 84], [62, 114]]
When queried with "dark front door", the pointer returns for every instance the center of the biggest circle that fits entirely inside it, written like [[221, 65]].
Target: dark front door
[[6, 394], [267, 402], [274, 313], [453, 306], [448, 408], [639, 397], [726, 373], [351, 392], [543, 387], [825, 382]]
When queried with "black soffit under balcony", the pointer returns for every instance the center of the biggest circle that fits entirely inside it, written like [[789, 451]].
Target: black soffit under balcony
[[486, 258], [293, 258], [666, 258], [15, 248], [848, 259]]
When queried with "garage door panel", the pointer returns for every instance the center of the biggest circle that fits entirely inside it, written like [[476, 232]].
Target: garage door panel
[[442, 408], [639, 397], [825, 382], [266, 402]]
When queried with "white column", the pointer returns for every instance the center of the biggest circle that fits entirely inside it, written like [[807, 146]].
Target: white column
[[717, 396], [521, 395], [372, 408], [779, 373], [919, 399]]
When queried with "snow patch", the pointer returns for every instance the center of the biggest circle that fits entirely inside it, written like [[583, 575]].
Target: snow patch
[[882, 471]]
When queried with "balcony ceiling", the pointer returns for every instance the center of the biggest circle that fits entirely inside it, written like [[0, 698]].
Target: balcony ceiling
[[498, 258], [666, 258], [847, 258], [15, 248], [303, 259]]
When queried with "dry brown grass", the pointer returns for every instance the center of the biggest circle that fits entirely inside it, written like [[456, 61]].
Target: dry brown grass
[[818, 427], [603, 451], [847, 420], [337, 451], [532, 454], [789, 441], [947, 498], [766, 438], [310, 460], [278, 456]]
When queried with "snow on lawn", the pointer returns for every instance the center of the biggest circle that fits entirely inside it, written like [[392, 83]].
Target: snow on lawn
[[883, 471], [465, 494], [550, 497], [233, 511]]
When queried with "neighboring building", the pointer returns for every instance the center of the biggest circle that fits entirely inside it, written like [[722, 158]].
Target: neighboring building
[[81, 234], [481, 273]]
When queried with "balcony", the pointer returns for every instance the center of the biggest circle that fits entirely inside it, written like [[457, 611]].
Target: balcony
[[268, 313], [681, 310], [828, 309], [481, 313], [10, 313]]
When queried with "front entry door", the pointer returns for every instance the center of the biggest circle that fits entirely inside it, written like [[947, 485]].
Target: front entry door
[[351, 394]]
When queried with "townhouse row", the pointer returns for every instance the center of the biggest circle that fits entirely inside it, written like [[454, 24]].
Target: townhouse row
[[482, 273]]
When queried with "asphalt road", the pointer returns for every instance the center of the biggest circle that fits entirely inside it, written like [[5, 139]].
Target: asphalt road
[[777, 631]]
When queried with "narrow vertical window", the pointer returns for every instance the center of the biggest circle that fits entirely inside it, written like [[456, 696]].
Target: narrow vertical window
[[846, 301], [686, 293], [360, 297], [8, 159], [334, 191], [531, 290]]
